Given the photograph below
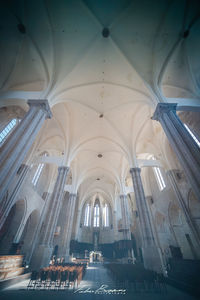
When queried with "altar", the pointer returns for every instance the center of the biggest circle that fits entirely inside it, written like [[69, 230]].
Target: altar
[[96, 256]]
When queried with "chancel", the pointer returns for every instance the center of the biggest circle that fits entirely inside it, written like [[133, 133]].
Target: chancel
[[100, 148], [96, 256]]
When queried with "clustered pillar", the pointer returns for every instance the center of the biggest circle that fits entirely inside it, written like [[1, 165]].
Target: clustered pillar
[[125, 217], [36, 236], [183, 144], [192, 226], [46, 246], [8, 200], [150, 251], [128, 251], [65, 244], [14, 150]]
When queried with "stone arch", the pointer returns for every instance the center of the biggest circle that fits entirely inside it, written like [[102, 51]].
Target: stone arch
[[11, 226], [28, 232]]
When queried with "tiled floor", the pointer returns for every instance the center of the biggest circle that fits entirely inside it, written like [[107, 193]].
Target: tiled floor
[[96, 285]]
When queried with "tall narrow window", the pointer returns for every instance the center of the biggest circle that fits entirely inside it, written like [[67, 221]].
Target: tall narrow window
[[106, 215], [87, 216], [7, 130], [38, 172], [192, 135], [96, 215], [159, 177]]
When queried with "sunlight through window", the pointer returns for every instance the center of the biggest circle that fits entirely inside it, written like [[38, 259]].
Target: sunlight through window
[[96, 215], [106, 216], [87, 215], [7, 130], [192, 135], [38, 173]]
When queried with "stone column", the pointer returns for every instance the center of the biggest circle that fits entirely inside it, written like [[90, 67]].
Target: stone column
[[46, 247], [172, 177], [183, 144], [78, 223], [67, 232], [8, 200], [115, 225], [17, 145], [128, 252], [39, 227], [125, 217], [151, 253]]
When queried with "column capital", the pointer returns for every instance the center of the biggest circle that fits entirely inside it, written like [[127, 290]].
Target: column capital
[[135, 170], [22, 168], [162, 108], [63, 168], [73, 195], [43, 104]]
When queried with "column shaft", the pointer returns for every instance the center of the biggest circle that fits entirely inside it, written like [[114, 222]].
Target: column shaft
[[191, 224], [65, 244], [16, 147], [151, 253], [39, 226], [125, 217], [45, 248], [183, 144], [115, 226], [143, 214], [8, 200], [57, 197]]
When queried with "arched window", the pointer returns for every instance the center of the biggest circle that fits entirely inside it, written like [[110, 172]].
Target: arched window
[[87, 215], [192, 135], [96, 215], [106, 215], [38, 172], [7, 130]]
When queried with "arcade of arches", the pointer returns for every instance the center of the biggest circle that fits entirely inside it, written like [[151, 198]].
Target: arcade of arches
[[100, 130]]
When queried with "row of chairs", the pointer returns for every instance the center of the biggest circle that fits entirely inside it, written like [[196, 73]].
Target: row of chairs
[[55, 278]]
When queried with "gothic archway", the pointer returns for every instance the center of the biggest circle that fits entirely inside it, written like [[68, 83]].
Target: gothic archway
[[10, 227]]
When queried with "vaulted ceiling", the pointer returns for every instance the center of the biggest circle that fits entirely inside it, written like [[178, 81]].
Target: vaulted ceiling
[[103, 66]]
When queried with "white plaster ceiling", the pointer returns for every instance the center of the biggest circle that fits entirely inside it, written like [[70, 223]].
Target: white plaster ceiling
[[64, 58]]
